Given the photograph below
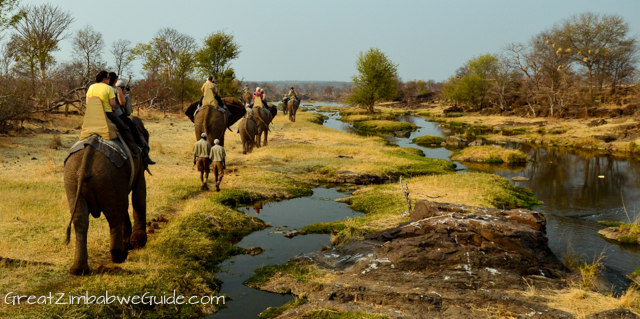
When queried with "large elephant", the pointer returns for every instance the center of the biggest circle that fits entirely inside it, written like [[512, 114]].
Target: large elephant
[[248, 129], [263, 116], [293, 105], [211, 121], [94, 185]]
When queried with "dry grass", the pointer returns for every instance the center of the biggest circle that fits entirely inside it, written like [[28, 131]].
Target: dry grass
[[555, 132], [183, 253]]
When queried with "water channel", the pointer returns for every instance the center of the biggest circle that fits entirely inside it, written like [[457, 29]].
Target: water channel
[[578, 189], [286, 215]]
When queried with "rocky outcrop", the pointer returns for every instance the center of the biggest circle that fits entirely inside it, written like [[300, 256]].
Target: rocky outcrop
[[449, 261]]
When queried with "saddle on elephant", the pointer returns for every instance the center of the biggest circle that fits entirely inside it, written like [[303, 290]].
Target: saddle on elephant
[[96, 121], [257, 101]]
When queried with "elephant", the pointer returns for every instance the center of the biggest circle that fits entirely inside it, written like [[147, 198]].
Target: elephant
[[284, 105], [248, 131], [293, 105], [263, 117], [211, 121], [95, 185]]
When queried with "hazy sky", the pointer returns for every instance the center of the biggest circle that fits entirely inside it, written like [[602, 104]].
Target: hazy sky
[[320, 40]]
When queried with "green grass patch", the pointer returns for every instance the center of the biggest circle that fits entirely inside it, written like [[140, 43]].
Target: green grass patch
[[610, 224], [427, 140], [299, 271], [384, 126], [273, 312]]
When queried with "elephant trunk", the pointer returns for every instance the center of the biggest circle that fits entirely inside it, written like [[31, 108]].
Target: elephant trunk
[[81, 175]]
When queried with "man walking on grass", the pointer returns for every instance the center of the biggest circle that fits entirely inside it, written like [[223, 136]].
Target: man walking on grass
[[201, 159], [217, 157]]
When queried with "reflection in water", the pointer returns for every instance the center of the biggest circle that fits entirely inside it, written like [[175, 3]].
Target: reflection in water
[[568, 183]]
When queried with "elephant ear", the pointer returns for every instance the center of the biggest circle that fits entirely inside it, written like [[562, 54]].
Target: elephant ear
[[236, 107], [274, 110], [190, 110]]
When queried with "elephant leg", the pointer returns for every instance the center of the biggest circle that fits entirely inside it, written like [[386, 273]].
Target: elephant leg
[[139, 203], [81, 225], [127, 233], [266, 133], [119, 252]]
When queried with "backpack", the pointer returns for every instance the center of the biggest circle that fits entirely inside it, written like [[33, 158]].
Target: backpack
[[128, 107]]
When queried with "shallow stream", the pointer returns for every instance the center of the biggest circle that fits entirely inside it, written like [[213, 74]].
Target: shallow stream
[[286, 215]]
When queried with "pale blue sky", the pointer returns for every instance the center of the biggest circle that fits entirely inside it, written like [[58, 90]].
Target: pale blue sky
[[320, 40]]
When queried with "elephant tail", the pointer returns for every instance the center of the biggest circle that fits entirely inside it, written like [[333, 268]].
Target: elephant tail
[[81, 178]]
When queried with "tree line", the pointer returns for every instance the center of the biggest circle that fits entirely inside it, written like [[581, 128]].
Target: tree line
[[575, 65]]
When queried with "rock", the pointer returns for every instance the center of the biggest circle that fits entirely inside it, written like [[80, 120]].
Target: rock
[[423, 209], [443, 144], [402, 133], [605, 138], [618, 313], [254, 251], [453, 109], [597, 122], [460, 255], [479, 142], [342, 199], [291, 234], [456, 141], [519, 179]]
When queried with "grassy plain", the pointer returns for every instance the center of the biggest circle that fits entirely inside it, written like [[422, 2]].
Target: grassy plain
[[202, 229]]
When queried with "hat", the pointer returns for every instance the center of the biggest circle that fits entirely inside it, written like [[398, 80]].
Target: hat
[[258, 88], [216, 141], [120, 83], [204, 135]]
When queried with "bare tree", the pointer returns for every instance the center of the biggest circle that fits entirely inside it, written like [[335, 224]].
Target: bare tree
[[38, 34], [88, 46], [170, 45], [121, 51]]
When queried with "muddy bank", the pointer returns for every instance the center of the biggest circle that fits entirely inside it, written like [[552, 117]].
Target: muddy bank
[[449, 261]]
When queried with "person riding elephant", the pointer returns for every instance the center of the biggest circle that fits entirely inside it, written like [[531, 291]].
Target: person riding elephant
[[263, 117], [292, 94], [212, 121], [248, 130], [258, 94], [292, 106], [94, 184]]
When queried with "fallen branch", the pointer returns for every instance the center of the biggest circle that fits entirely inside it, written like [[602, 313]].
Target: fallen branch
[[405, 192]]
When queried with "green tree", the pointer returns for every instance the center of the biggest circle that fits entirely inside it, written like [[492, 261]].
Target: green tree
[[162, 54], [473, 80], [214, 59], [376, 80]]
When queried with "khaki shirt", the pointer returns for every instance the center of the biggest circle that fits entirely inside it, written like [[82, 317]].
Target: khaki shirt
[[217, 153], [211, 86], [201, 149]]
